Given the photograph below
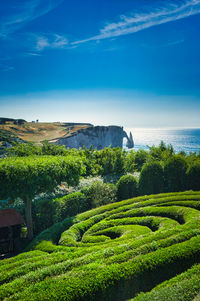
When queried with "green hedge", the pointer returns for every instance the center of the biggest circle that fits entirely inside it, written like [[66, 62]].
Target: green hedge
[[127, 187], [151, 178], [113, 252], [184, 287]]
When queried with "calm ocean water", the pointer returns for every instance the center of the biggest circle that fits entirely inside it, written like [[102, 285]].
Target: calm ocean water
[[187, 140]]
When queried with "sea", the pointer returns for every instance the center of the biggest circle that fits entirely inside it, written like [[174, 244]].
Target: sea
[[187, 140]]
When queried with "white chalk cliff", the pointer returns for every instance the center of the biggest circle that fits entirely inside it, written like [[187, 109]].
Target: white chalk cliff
[[98, 137]]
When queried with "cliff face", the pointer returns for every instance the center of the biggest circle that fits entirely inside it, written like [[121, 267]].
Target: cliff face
[[98, 137]]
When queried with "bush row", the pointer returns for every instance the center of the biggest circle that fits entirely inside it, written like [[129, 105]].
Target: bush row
[[47, 212], [172, 176], [114, 282], [184, 287], [108, 160], [112, 252]]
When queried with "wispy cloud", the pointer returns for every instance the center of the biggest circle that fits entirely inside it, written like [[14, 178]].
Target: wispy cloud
[[50, 41], [6, 68], [23, 12], [177, 42], [166, 44], [32, 54], [134, 22]]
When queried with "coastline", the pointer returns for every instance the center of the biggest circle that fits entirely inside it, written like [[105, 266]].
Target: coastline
[[182, 139]]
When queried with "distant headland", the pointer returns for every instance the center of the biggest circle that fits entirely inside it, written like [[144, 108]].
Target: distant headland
[[71, 135]]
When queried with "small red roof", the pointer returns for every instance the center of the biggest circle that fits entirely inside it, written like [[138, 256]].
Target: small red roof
[[10, 217]]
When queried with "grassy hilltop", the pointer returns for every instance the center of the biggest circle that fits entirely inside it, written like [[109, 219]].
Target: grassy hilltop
[[37, 132], [148, 244]]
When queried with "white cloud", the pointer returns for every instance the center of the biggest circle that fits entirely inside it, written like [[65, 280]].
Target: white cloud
[[59, 41], [32, 54], [42, 43], [6, 68], [135, 22], [24, 12], [50, 41]]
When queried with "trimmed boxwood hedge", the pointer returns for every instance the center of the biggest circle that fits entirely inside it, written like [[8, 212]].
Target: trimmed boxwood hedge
[[142, 249]]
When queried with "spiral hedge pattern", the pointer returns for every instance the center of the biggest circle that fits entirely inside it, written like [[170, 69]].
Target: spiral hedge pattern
[[146, 248]]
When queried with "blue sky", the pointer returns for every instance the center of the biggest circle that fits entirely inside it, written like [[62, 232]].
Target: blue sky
[[131, 63]]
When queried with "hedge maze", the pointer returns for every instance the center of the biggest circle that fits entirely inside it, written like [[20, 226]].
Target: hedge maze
[[145, 248]]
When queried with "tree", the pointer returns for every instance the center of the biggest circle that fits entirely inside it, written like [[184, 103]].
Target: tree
[[120, 159], [161, 152], [151, 178], [175, 174], [105, 158], [130, 161], [24, 149], [51, 149], [141, 157], [126, 187], [29, 176], [193, 176], [32, 149]]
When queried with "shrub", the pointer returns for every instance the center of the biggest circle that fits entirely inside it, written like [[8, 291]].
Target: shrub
[[105, 159], [161, 152], [141, 157], [43, 212], [113, 252], [111, 160], [32, 149], [99, 193], [119, 163], [193, 176], [184, 287], [151, 178], [175, 174], [130, 161], [46, 212], [70, 205], [126, 187]]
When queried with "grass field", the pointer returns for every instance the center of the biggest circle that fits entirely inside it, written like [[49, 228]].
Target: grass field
[[38, 132], [146, 248]]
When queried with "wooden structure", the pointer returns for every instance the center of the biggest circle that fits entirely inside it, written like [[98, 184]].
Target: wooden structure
[[10, 230]]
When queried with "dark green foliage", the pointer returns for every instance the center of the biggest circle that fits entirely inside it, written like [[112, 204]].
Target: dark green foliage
[[27, 177], [51, 149], [175, 174], [193, 176], [46, 239], [119, 163], [111, 160], [43, 214], [130, 161], [161, 152], [24, 149], [141, 157], [151, 179], [99, 193], [103, 162], [31, 149], [126, 187], [70, 205], [50, 211], [89, 158], [184, 287]]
